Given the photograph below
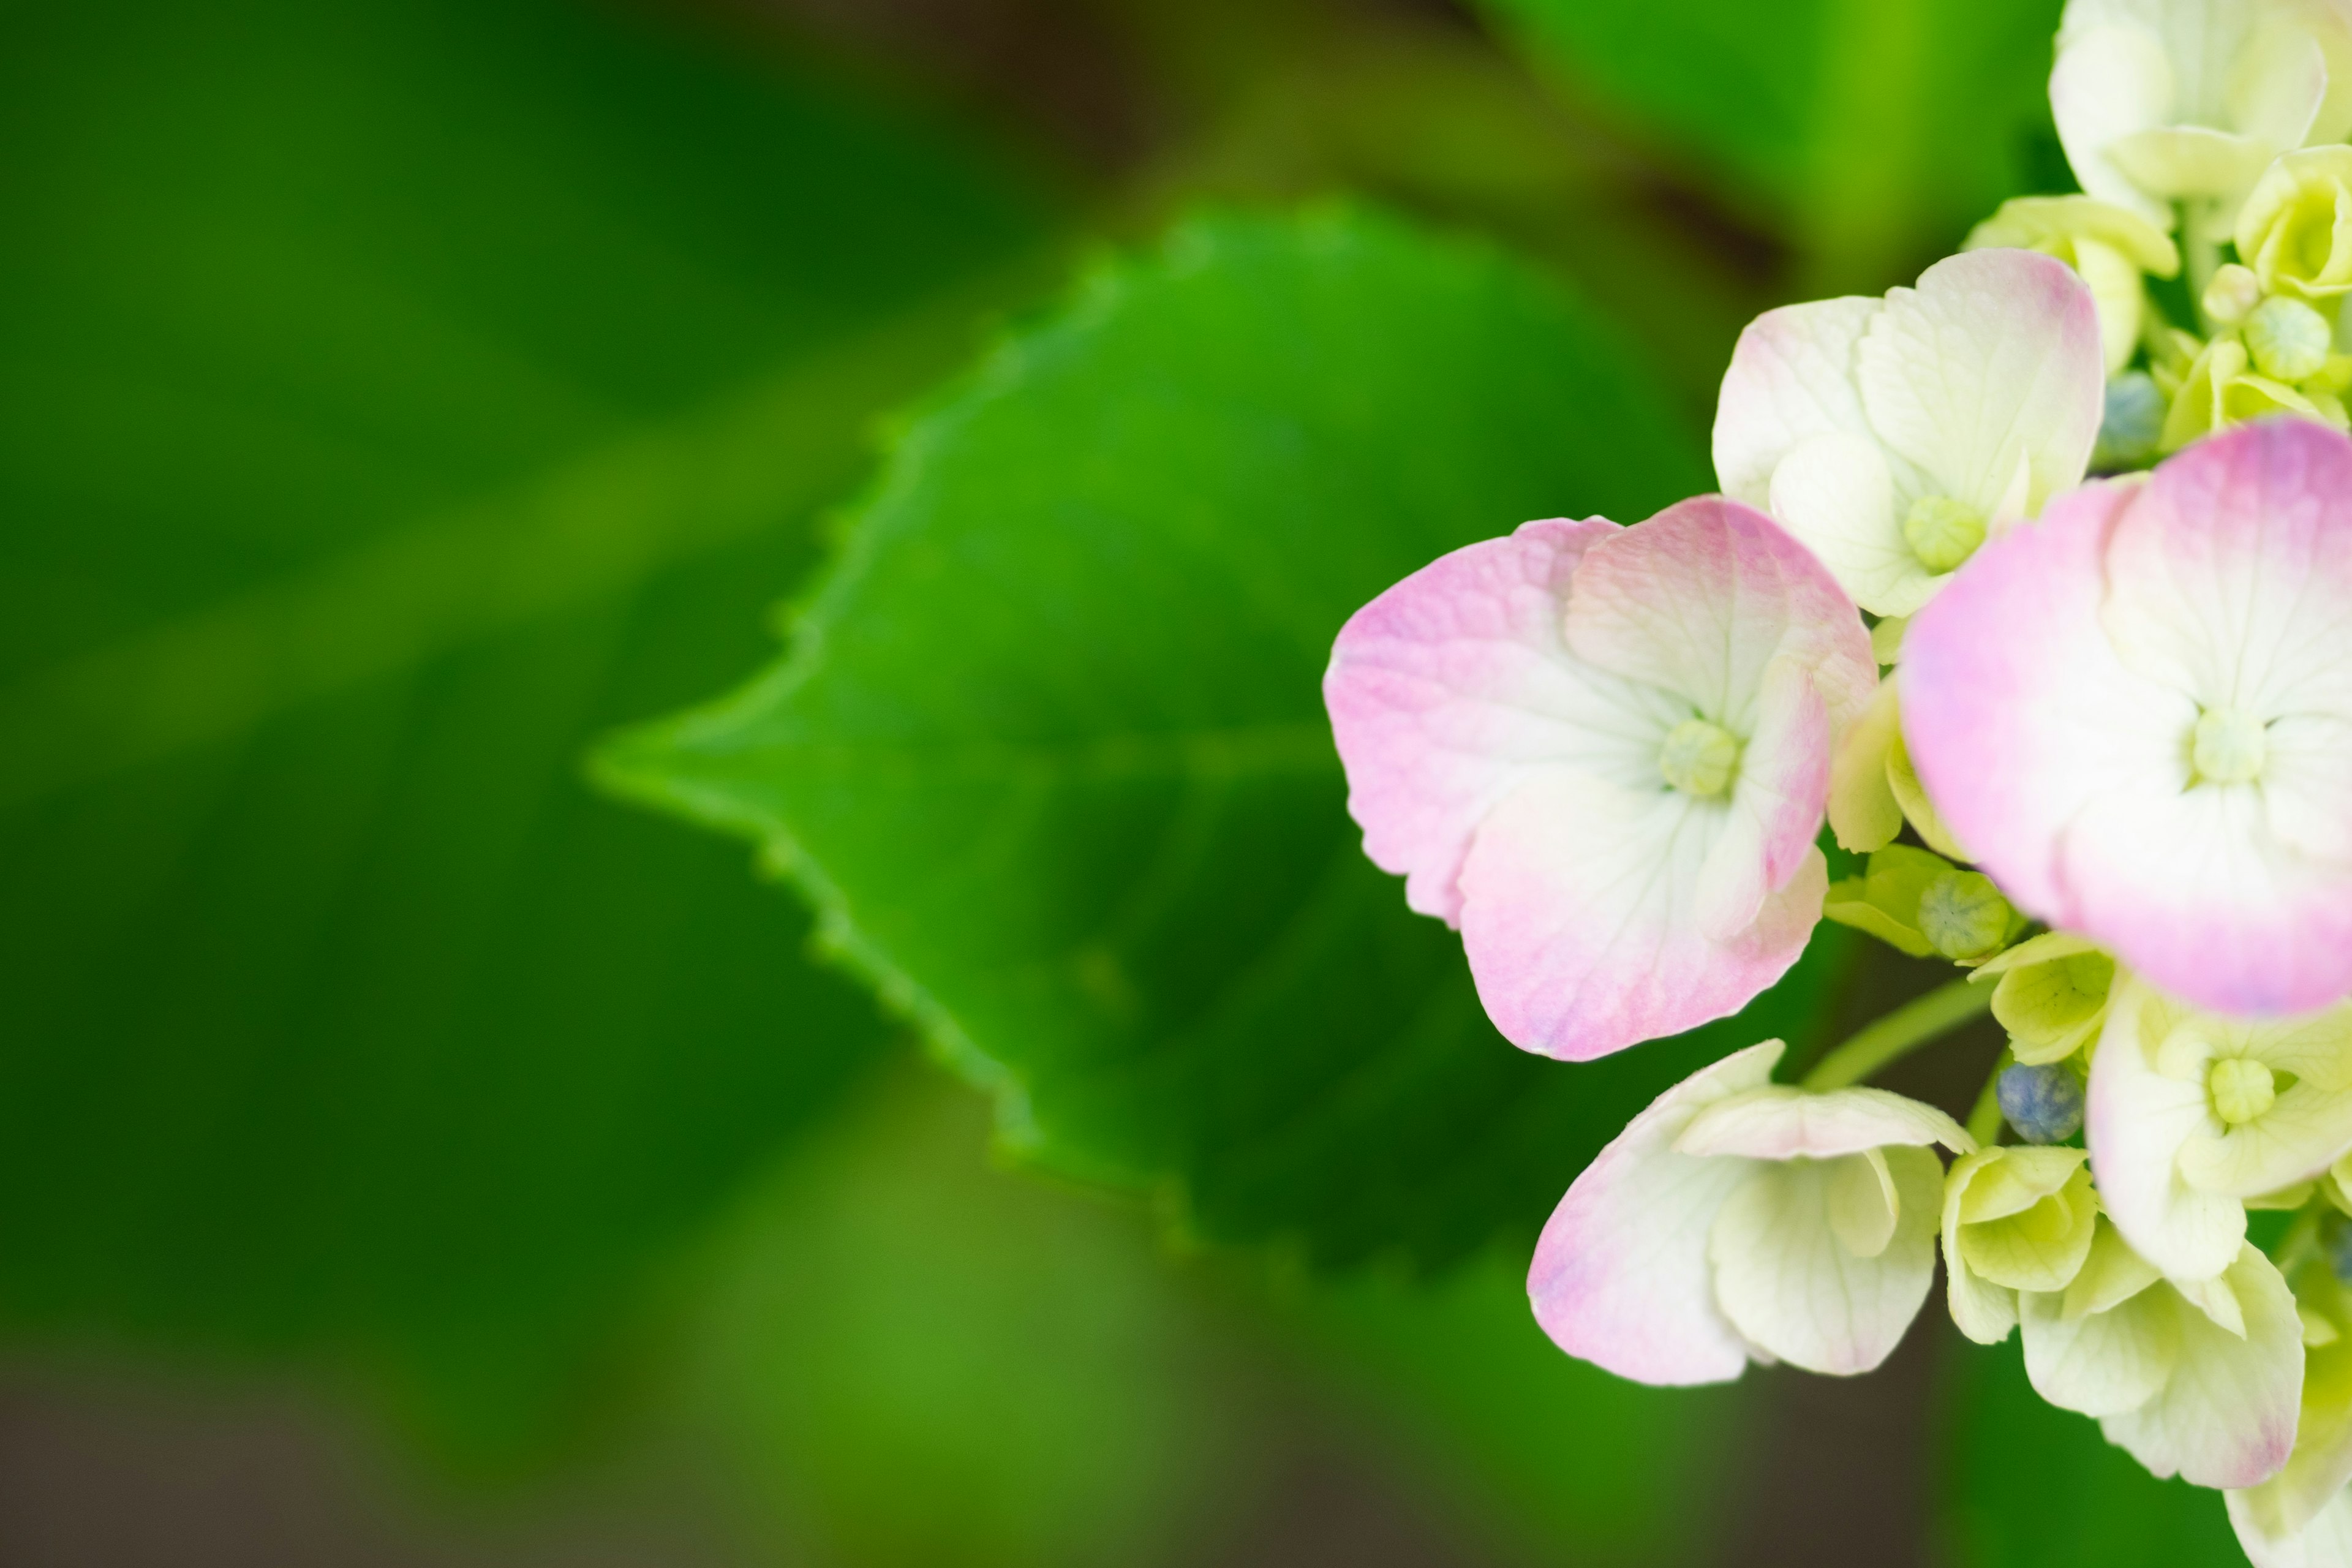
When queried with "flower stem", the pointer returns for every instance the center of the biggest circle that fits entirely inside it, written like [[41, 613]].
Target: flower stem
[[1900, 1033]]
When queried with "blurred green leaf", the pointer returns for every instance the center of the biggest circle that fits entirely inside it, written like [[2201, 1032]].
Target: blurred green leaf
[[1871, 132], [395, 394], [1051, 758], [2032, 1486]]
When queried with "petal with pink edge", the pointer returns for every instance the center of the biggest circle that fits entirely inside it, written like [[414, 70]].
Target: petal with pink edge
[[2226, 1417], [1449, 688], [1619, 1277], [1580, 917]]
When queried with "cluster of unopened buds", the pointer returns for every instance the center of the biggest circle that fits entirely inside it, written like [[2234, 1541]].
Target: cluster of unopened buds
[[2115, 712]]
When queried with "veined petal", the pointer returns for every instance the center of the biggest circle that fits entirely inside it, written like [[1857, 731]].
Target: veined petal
[[2101, 1363], [2110, 82], [1994, 360], [1776, 804], [2017, 712], [1621, 1275], [2285, 1512], [1983, 1311], [1446, 689], [1862, 810], [1833, 492], [2226, 1417], [1702, 597], [1580, 917], [2326, 1542], [2041, 1247], [1780, 1121], [1791, 1285], [1792, 379], [2139, 1119]]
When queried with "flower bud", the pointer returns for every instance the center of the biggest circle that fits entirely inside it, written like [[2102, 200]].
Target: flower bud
[[2233, 295], [2223, 388], [2295, 227], [2288, 339], [2044, 1103], [1963, 915]]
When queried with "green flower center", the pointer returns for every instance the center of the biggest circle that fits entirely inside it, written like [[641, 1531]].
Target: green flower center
[[1698, 758], [2243, 1088], [2228, 746], [1943, 533]]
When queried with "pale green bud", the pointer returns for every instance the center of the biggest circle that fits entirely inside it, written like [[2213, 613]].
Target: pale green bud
[[1943, 533], [1963, 915], [2233, 295], [2242, 1089], [1699, 758], [1885, 900], [2292, 229], [2289, 339], [2228, 746]]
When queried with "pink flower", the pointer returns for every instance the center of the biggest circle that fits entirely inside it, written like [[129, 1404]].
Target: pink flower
[[1604, 755], [2137, 715]]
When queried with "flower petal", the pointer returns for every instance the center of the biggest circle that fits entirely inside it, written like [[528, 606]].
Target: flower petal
[[2325, 1542], [1792, 379], [1580, 917], [1446, 689], [1619, 1277], [1790, 1284], [2139, 1119], [1983, 1311], [1863, 811], [2110, 82], [1702, 597], [2285, 1510], [1992, 362], [2226, 1417], [1782, 1122], [2101, 1363], [1833, 492], [1776, 805]]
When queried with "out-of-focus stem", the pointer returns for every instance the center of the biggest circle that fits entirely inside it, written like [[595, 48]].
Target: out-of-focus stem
[[1900, 1033]]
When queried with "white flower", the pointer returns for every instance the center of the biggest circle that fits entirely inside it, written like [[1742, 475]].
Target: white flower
[[1738, 1220], [2163, 100], [2191, 1113], [2199, 1380], [1894, 436]]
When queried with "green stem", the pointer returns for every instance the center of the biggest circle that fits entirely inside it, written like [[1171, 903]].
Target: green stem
[[1900, 1033], [1984, 1121]]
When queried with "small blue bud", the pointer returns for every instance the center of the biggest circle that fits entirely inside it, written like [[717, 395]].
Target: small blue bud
[[2043, 1103]]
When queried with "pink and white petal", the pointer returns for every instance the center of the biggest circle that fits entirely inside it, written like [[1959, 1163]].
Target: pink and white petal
[[2139, 1119], [1776, 805], [1448, 687], [2016, 711], [2186, 887], [1788, 1282], [1792, 379], [1780, 1121], [1579, 919], [2325, 1542], [2231, 576], [1834, 493], [1619, 1277], [2110, 82], [2286, 1506], [2226, 1417], [1993, 362], [2308, 786], [1700, 598]]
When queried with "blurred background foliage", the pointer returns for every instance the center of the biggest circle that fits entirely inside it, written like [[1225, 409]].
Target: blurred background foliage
[[404, 396]]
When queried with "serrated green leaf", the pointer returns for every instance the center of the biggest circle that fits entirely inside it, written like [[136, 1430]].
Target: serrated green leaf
[[1050, 754], [1871, 132], [395, 395]]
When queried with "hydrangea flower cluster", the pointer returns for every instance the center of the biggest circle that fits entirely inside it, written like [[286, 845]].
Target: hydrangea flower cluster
[[2034, 582]]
